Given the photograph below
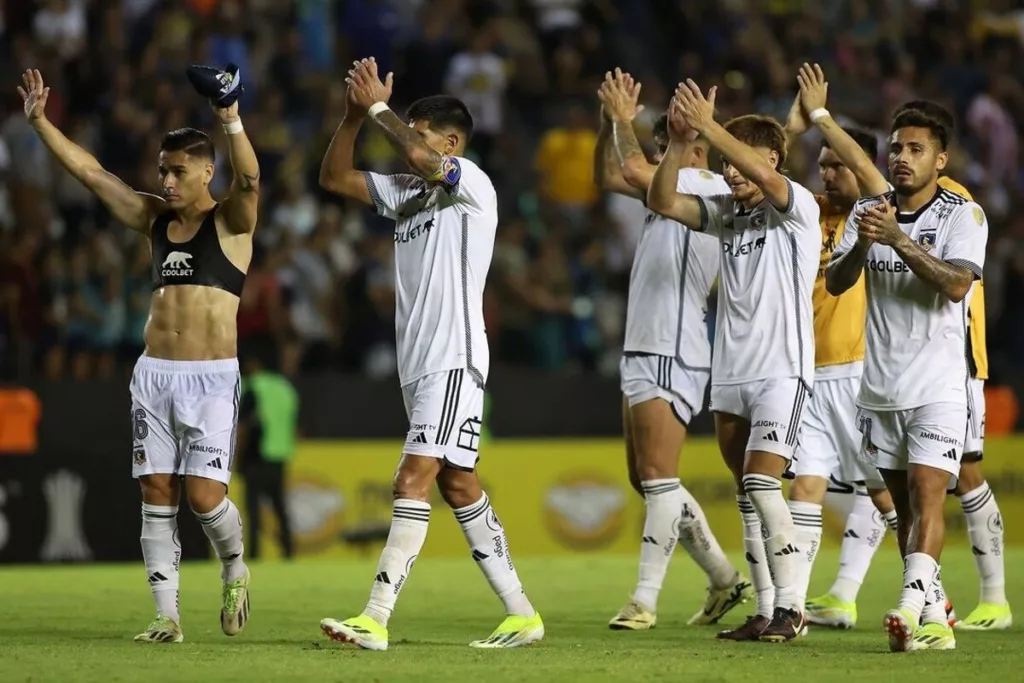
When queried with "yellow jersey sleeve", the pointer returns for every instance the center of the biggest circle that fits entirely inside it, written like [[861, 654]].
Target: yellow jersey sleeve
[[839, 321], [977, 350]]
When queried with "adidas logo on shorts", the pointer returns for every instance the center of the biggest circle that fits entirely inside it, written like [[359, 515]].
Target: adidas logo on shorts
[[771, 436], [215, 464], [420, 438]]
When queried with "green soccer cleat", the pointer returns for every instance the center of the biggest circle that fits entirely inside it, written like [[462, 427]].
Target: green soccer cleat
[[933, 636], [633, 617], [513, 632], [719, 601], [234, 611], [987, 616], [828, 610], [361, 631], [900, 624], [162, 630]]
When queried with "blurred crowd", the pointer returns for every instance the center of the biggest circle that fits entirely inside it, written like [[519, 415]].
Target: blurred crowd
[[75, 287]]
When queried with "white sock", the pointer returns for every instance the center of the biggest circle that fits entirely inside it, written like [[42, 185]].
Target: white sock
[[985, 530], [919, 573], [696, 538], [223, 526], [664, 499], [489, 547], [891, 520], [934, 611], [807, 524], [765, 493], [757, 561], [865, 529], [161, 551], [409, 522]]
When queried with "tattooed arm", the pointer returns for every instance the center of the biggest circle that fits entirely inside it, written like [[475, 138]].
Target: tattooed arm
[[607, 171], [949, 279], [424, 161], [240, 207], [636, 170]]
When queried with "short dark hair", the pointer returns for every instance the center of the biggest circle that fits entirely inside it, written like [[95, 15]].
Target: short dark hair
[[931, 109], [867, 141], [192, 142], [760, 131], [915, 118], [442, 111]]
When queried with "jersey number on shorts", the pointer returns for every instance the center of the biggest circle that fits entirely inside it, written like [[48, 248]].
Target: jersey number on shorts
[[140, 430]]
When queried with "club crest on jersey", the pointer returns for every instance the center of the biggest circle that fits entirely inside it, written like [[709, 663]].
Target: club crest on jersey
[[758, 219], [927, 240], [451, 171]]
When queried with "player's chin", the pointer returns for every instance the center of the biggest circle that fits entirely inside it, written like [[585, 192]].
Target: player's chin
[[904, 181]]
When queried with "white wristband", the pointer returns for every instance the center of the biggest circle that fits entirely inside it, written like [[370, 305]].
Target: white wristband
[[377, 108], [818, 114], [233, 128]]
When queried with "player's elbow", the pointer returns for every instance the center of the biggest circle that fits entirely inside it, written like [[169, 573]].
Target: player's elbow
[[634, 172], [423, 160], [958, 292], [834, 282], [657, 201]]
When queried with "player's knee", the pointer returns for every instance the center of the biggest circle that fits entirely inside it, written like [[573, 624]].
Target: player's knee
[[204, 495], [159, 489], [808, 489], [415, 477], [971, 476]]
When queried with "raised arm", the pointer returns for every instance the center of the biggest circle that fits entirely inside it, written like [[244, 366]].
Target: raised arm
[[369, 91], [848, 261], [698, 112], [240, 207], [813, 97], [662, 195], [135, 209], [619, 163], [337, 172]]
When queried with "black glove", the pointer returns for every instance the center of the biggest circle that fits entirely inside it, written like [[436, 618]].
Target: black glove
[[221, 86]]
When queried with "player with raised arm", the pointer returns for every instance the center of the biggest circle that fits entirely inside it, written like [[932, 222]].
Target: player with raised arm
[[185, 386], [830, 442], [923, 248], [667, 357], [446, 214], [763, 363]]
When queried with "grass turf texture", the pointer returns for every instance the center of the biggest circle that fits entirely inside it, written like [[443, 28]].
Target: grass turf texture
[[76, 623]]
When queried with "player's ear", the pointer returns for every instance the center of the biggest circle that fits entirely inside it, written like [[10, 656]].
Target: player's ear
[[773, 159], [941, 160], [451, 144]]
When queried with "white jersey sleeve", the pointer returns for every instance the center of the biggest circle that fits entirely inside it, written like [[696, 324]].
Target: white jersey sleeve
[[390, 192], [468, 186], [714, 212], [803, 213], [968, 236]]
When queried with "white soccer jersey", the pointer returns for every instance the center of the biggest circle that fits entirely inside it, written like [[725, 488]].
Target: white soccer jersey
[[444, 238], [765, 325], [673, 270], [916, 342]]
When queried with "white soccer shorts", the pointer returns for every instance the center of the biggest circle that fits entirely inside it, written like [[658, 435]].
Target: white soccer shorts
[[184, 417], [975, 441], [444, 411], [774, 408], [829, 441], [646, 376], [930, 435]]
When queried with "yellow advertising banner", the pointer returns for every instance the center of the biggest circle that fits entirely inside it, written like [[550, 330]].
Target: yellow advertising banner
[[553, 497]]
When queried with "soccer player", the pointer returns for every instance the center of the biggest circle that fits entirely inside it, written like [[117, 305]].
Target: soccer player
[[978, 502], [763, 363], [829, 442], [923, 248], [185, 387], [446, 214], [667, 359]]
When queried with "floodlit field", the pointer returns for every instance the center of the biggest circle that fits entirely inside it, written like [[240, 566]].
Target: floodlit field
[[76, 624]]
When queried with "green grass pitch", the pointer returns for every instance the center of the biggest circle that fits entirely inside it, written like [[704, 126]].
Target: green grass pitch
[[76, 624]]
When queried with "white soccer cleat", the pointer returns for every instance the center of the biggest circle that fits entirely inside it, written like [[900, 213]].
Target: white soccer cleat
[[162, 630], [234, 611]]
